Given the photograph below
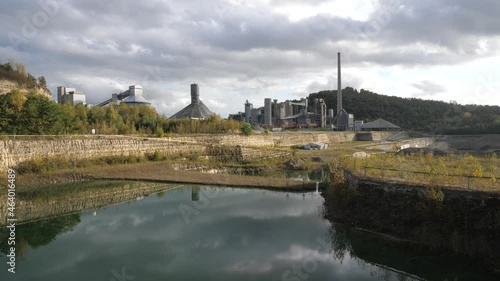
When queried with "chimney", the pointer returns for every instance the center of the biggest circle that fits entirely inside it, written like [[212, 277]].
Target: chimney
[[339, 87], [195, 93]]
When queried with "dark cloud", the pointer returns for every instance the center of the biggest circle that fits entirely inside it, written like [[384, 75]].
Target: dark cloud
[[239, 47]]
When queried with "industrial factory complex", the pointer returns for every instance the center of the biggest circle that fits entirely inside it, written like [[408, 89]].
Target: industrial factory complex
[[274, 115], [307, 114], [289, 114]]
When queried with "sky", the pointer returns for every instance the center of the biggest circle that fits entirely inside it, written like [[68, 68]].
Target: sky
[[238, 50]]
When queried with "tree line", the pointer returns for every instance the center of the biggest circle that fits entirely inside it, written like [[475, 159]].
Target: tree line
[[416, 114], [34, 114]]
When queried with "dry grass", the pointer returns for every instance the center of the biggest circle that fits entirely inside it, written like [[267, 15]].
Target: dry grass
[[466, 171]]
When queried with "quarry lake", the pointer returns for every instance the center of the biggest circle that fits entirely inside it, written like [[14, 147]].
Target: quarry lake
[[208, 233]]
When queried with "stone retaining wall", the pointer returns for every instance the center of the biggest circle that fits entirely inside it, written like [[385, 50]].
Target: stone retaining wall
[[13, 152]]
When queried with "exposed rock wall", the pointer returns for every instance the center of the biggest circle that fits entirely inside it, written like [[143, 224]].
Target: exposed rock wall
[[7, 86], [463, 222], [14, 151]]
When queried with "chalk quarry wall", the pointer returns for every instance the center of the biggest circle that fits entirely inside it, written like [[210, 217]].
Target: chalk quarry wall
[[465, 222], [14, 151]]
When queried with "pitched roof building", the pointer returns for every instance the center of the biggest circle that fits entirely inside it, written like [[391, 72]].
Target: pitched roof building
[[197, 109], [135, 96], [380, 125]]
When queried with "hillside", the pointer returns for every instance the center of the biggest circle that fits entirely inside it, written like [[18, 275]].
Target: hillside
[[13, 76], [416, 114]]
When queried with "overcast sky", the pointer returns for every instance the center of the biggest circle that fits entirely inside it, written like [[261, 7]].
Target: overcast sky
[[237, 50]]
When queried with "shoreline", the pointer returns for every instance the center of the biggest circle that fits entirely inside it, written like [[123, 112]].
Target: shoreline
[[161, 172]]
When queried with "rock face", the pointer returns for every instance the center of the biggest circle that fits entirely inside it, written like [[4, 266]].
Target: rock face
[[222, 148], [219, 147], [464, 222], [7, 86], [360, 154]]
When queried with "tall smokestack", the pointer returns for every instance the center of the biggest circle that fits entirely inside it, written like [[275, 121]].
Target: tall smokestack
[[195, 93], [339, 87], [339, 95]]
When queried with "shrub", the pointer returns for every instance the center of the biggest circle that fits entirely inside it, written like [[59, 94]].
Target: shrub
[[246, 129], [155, 156]]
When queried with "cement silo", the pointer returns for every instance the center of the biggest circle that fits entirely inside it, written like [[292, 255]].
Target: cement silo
[[340, 123], [322, 112], [350, 122], [248, 113], [267, 111], [255, 116], [195, 94], [196, 110], [358, 125]]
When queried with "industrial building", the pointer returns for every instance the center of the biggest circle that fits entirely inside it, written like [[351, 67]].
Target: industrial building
[[197, 109], [133, 97], [71, 96], [299, 113], [289, 114]]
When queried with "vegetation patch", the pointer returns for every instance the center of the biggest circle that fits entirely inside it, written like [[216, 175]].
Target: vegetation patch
[[465, 171]]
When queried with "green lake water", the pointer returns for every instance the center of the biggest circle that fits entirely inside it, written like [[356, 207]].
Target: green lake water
[[205, 233]]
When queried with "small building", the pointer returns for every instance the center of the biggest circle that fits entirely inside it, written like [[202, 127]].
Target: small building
[[71, 96], [358, 124], [380, 125]]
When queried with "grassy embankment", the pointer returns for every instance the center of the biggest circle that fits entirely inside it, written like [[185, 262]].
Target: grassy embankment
[[466, 171]]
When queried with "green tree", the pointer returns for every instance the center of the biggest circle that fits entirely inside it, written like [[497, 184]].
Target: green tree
[[40, 116], [17, 99], [246, 129], [81, 119], [42, 82]]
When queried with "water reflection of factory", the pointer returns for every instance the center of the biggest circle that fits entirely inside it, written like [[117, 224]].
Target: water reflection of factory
[[317, 175], [195, 193]]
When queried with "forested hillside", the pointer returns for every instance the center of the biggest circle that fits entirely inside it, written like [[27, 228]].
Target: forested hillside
[[416, 114]]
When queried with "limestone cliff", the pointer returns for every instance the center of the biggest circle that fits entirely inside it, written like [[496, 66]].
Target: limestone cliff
[[6, 86]]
